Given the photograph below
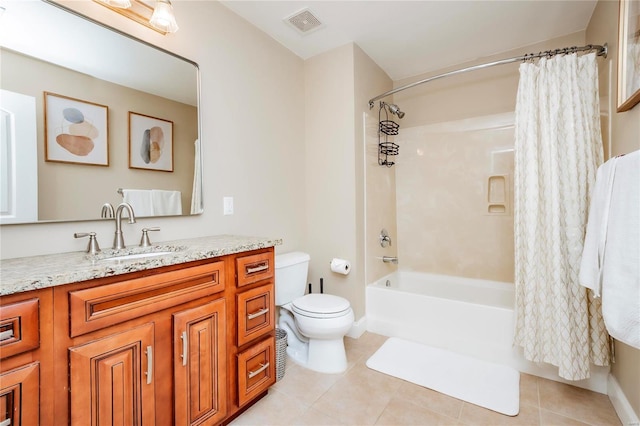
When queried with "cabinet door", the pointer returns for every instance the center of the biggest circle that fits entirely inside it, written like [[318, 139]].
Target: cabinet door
[[112, 379], [200, 364], [19, 396]]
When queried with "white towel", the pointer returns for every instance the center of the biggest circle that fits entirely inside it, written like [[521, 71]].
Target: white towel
[[140, 200], [596, 236], [166, 203], [611, 256], [621, 271]]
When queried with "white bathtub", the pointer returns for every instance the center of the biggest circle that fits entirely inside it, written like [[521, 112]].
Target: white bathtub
[[464, 315]]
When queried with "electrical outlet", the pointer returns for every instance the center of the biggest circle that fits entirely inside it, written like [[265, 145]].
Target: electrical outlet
[[228, 205]]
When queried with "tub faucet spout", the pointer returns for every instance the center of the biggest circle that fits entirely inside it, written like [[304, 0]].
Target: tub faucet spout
[[390, 259], [118, 241]]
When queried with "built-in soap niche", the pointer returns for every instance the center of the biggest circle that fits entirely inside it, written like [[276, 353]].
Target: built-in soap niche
[[498, 195]]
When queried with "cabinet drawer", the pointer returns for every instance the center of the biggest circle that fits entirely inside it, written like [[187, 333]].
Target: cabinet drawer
[[256, 313], [19, 327], [256, 370], [102, 306], [255, 268], [19, 396]]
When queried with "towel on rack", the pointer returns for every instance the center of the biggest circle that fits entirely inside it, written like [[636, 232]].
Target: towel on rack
[[140, 200], [166, 203], [616, 231]]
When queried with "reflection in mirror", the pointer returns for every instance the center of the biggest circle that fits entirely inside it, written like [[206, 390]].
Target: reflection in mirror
[[86, 111]]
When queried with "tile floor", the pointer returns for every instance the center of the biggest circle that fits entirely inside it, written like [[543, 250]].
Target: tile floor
[[361, 396]]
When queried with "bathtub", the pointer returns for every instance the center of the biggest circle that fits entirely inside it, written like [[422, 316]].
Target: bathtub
[[468, 316]]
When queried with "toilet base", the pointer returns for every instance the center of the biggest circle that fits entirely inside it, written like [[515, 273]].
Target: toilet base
[[323, 356]]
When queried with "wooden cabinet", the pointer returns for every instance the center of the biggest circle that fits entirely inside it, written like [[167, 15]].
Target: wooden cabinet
[[200, 368], [189, 344], [252, 355], [112, 379], [25, 358]]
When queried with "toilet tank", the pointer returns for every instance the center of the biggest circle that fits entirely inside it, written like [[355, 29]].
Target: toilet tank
[[291, 276]]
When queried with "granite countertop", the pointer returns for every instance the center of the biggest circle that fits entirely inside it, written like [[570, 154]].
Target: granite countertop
[[37, 272]]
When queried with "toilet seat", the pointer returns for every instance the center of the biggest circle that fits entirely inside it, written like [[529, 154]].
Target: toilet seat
[[321, 306]]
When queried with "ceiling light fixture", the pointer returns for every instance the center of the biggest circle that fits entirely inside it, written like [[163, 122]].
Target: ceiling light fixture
[[163, 17]]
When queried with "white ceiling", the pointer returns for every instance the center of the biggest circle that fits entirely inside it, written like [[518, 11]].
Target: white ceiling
[[407, 38]]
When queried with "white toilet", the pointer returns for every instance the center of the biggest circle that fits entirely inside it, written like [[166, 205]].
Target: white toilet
[[315, 323]]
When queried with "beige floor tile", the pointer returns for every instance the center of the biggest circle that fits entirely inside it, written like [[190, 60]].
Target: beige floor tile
[[274, 409], [304, 384], [399, 411], [313, 417], [529, 390], [362, 396], [355, 400], [475, 415], [577, 403], [430, 399], [547, 418]]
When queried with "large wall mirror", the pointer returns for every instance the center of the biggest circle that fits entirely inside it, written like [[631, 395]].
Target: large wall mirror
[[89, 113]]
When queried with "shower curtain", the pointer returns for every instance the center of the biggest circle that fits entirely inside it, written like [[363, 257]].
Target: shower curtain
[[558, 148]]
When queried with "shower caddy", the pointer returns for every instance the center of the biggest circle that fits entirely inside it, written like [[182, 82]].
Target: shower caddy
[[387, 128]]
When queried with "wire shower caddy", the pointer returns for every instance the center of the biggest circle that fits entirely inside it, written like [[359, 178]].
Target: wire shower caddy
[[386, 128]]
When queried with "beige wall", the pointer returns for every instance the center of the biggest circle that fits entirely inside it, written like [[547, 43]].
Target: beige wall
[[625, 137], [252, 113], [330, 172], [60, 184]]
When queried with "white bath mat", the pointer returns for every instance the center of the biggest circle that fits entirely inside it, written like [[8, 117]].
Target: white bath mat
[[482, 383]]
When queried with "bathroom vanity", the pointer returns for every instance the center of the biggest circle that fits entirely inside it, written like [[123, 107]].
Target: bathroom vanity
[[183, 337]]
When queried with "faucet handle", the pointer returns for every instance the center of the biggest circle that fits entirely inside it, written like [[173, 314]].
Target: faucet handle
[[144, 241], [92, 247]]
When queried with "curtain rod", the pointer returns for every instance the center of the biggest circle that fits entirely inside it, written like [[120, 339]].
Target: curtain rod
[[601, 51]]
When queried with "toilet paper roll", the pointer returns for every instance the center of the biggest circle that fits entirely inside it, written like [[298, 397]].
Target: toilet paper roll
[[340, 266]]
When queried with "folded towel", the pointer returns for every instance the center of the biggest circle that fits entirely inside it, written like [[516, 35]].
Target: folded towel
[[140, 200], [621, 269], [166, 203]]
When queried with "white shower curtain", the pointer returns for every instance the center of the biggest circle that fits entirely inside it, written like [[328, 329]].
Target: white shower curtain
[[558, 148]]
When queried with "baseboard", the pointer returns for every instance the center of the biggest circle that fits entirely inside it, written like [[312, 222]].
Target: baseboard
[[358, 328], [620, 403]]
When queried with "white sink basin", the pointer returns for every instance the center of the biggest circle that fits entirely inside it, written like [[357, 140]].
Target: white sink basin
[[136, 256]]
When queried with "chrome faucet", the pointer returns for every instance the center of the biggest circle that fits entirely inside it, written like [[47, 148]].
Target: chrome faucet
[[390, 259], [118, 241]]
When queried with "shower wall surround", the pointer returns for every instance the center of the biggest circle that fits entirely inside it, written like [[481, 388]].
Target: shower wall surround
[[454, 186]]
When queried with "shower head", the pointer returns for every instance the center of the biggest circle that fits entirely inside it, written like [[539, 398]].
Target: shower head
[[394, 109]]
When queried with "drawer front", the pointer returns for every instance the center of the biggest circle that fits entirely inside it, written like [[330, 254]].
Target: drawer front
[[103, 306], [19, 327], [256, 370], [19, 396], [256, 313], [254, 268]]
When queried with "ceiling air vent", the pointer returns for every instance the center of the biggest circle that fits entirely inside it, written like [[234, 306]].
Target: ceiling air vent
[[304, 21]]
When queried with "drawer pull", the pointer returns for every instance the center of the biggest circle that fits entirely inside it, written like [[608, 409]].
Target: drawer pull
[[257, 314], [259, 268], [6, 422], [185, 346], [263, 367], [6, 335], [149, 372]]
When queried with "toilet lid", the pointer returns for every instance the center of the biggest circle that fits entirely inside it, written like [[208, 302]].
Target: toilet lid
[[321, 305]]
